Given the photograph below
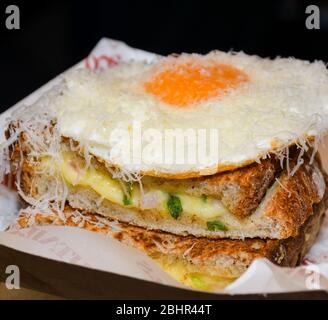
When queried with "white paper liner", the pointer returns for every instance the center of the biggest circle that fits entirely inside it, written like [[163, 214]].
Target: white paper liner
[[77, 246]]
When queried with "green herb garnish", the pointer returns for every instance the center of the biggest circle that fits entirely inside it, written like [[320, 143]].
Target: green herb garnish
[[204, 198], [129, 188], [126, 200], [198, 281], [127, 193], [174, 206], [216, 225]]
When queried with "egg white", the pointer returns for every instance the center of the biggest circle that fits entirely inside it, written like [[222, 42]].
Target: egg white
[[284, 101]]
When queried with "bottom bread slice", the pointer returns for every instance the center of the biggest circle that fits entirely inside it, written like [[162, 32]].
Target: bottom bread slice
[[201, 263]]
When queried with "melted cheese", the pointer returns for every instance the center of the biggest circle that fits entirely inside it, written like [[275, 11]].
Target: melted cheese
[[194, 276], [111, 189]]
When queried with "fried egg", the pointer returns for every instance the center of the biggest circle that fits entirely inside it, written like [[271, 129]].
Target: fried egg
[[251, 106]]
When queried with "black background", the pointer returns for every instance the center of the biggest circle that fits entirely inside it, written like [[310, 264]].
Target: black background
[[54, 35]]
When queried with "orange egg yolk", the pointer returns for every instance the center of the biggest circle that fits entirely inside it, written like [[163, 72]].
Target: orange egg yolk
[[183, 85]]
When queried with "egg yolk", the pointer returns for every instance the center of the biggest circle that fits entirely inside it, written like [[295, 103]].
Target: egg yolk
[[185, 84]]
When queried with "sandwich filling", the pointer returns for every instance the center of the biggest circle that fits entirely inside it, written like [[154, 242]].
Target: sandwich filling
[[129, 194]]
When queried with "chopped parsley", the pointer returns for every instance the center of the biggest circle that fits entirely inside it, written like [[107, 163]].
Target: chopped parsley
[[126, 200], [198, 281], [128, 188], [174, 206], [127, 194], [216, 225]]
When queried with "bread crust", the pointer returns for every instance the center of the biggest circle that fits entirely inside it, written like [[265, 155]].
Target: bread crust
[[294, 199], [252, 181]]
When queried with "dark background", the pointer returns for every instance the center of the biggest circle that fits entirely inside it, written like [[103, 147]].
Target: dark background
[[54, 35]]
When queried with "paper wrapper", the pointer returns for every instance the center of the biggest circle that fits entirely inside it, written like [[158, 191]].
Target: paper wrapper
[[77, 246]]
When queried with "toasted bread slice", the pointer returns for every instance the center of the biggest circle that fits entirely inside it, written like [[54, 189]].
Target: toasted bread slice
[[197, 262]]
